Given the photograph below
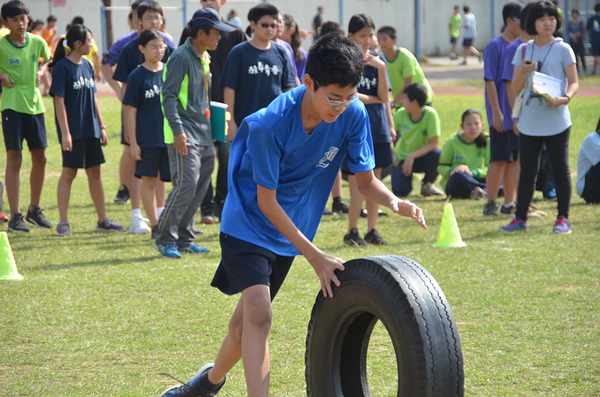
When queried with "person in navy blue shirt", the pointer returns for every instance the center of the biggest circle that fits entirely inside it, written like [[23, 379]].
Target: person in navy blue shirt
[[150, 14], [81, 132], [257, 70], [284, 160], [373, 91], [143, 119]]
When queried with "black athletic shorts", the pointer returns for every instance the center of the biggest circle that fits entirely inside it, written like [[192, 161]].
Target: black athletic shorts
[[244, 265], [153, 161], [18, 126], [86, 153], [504, 146], [467, 42]]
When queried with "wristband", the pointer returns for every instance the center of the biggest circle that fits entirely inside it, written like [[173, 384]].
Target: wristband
[[568, 98]]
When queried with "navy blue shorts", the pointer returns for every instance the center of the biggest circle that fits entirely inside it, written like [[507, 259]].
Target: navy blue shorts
[[453, 40], [504, 146], [596, 50], [384, 157], [18, 126], [244, 265], [467, 42], [86, 153], [153, 161]]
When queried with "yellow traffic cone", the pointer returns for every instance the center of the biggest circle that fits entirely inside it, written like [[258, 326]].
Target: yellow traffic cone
[[449, 233], [8, 268]]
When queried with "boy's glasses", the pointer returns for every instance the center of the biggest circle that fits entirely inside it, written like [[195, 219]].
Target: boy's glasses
[[269, 25], [333, 102], [152, 19]]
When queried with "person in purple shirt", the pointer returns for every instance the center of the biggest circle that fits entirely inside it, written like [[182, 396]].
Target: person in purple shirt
[[288, 49], [503, 161]]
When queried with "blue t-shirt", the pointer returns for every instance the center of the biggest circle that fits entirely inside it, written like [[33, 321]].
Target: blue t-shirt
[[271, 149], [131, 57], [380, 128], [75, 83], [143, 93], [493, 70], [507, 75], [256, 76]]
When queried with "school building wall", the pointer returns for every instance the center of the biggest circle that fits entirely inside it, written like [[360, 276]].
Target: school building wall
[[398, 13]]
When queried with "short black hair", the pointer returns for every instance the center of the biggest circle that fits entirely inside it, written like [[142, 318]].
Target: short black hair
[[51, 18], [262, 9], [511, 10], [332, 27], [389, 30], [597, 8], [13, 9], [416, 92], [466, 8], [148, 35], [540, 10], [149, 6], [136, 4], [77, 21], [525, 15], [359, 22], [335, 59]]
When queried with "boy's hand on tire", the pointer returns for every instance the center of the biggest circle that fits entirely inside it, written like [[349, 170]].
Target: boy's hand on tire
[[325, 267]]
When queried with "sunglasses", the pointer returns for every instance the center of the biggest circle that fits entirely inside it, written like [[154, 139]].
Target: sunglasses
[[269, 25], [333, 102]]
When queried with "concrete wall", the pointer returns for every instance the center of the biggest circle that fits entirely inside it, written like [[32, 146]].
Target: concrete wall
[[397, 13]]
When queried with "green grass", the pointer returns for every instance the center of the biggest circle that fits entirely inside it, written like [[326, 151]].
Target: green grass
[[102, 315]]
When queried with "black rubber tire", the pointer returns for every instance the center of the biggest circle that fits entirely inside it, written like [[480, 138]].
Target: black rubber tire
[[411, 305]]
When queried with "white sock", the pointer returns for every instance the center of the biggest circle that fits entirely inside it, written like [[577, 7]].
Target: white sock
[[506, 205], [136, 213], [159, 211]]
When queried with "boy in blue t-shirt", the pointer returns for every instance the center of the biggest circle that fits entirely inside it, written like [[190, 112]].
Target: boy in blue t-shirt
[[283, 163], [150, 15], [257, 70], [23, 112]]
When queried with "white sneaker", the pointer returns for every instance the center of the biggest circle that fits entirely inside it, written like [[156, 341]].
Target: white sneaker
[[138, 226], [427, 189]]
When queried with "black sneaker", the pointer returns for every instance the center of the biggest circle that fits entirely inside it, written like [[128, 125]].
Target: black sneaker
[[490, 209], [38, 219], [508, 210], [339, 207], [122, 195], [353, 239], [195, 387], [374, 238], [17, 224]]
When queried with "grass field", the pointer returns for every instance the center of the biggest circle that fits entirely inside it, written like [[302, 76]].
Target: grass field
[[102, 315]]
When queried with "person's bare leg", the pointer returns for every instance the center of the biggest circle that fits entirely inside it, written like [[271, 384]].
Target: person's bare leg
[[511, 181], [231, 348], [63, 192], [474, 51], [494, 178], [97, 191], [37, 175], [258, 318], [149, 198], [336, 191], [356, 200], [373, 207], [125, 165], [135, 188], [13, 168]]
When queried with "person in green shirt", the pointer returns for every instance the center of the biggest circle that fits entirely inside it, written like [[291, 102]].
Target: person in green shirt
[[465, 158], [454, 26], [23, 112], [417, 150], [403, 67]]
